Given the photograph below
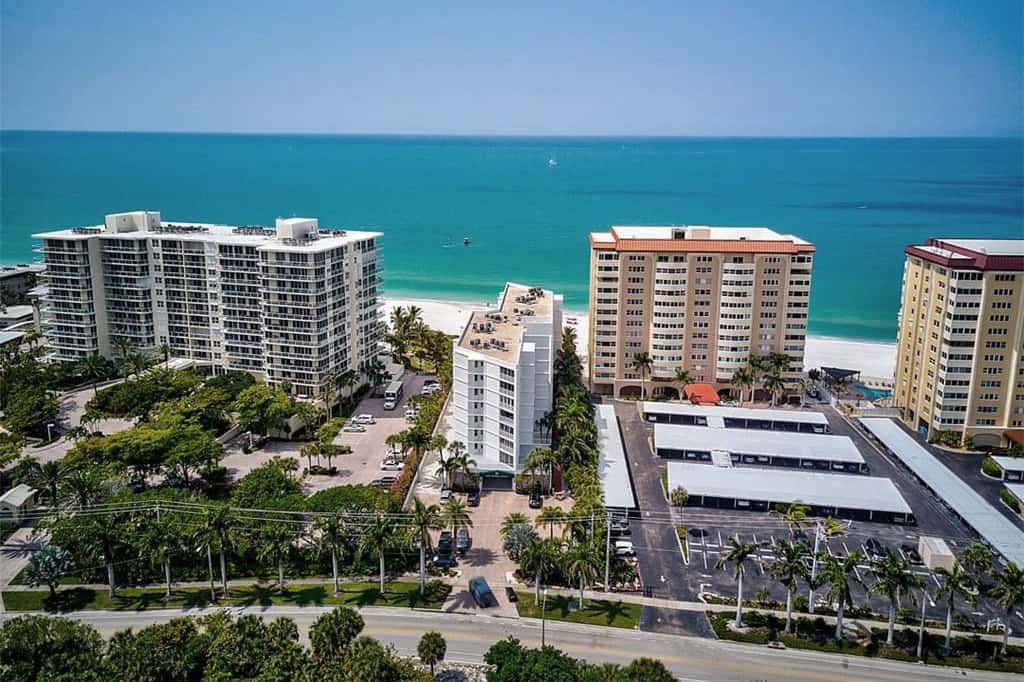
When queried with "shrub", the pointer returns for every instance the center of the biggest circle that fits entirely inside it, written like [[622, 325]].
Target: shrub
[[990, 468], [1009, 500], [351, 498], [135, 397]]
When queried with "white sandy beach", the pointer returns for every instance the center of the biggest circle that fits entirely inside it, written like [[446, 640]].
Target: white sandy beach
[[876, 361]]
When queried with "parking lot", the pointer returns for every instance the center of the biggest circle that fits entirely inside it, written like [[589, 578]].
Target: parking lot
[[666, 573], [361, 466]]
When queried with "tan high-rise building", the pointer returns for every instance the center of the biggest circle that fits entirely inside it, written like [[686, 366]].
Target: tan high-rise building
[[700, 298], [959, 365]]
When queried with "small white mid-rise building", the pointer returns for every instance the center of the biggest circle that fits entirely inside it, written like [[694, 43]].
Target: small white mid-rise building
[[503, 377]]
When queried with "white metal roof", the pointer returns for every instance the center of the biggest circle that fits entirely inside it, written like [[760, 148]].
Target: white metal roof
[[611, 466], [757, 442], [866, 493], [991, 247], [17, 495], [1010, 463], [1004, 536], [764, 414]]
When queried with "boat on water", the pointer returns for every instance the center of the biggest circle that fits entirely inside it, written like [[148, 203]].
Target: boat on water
[[465, 241], [552, 163]]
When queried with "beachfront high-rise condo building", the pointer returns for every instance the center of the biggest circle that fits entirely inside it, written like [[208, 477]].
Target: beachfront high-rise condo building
[[289, 302], [703, 299], [502, 377], [959, 364]]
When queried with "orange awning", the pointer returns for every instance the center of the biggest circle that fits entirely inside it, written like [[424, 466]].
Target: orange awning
[[702, 394]]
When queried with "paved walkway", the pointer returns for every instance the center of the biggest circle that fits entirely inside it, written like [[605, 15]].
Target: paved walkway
[[16, 550]]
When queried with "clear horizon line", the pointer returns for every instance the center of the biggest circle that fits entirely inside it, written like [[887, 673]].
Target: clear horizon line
[[611, 136]]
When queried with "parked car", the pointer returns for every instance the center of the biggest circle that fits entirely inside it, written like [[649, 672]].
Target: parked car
[[379, 483], [536, 501], [444, 561], [354, 428], [462, 540], [624, 548], [446, 495], [874, 548], [390, 404], [411, 413], [432, 382], [444, 542], [620, 525], [912, 554], [391, 465], [473, 499], [364, 419], [510, 594], [481, 592]]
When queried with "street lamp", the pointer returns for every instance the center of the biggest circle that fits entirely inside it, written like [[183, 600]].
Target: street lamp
[[543, 612], [49, 430]]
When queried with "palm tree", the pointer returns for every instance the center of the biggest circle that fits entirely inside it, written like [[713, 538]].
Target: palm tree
[[893, 579], [216, 524], [581, 564], [378, 537], [309, 451], [539, 557], [445, 468], [327, 390], [642, 362], [738, 554], [976, 558], [456, 514], [956, 583], [275, 543], [774, 383], [162, 542], [123, 347], [1009, 593], [789, 568], [550, 516], [543, 458], [330, 534], [48, 476], [94, 366], [511, 521], [742, 378], [417, 440], [836, 574], [439, 443], [425, 518], [346, 381], [83, 485], [794, 516], [464, 464], [308, 414], [165, 350], [137, 363], [684, 379]]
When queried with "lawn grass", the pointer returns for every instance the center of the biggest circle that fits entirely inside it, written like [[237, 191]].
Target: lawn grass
[[405, 594], [606, 612]]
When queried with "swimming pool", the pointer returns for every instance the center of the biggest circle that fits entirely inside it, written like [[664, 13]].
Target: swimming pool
[[873, 393]]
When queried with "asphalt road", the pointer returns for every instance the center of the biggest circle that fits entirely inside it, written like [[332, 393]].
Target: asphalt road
[[689, 658]]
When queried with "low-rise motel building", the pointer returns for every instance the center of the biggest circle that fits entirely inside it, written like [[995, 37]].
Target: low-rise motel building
[[699, 298], [959, 364]]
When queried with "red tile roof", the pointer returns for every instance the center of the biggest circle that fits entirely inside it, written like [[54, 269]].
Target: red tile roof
[[702, 394]]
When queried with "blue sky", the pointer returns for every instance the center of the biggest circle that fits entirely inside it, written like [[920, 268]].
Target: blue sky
[[857, 67]]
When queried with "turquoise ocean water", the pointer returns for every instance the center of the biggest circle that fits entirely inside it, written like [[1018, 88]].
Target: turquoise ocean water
[[859, 200]]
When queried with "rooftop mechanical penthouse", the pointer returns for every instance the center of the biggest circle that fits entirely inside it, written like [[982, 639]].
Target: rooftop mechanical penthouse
[[290, 302]]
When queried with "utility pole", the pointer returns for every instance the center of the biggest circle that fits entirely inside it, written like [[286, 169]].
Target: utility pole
[[607, 551], [814, 567], [920, 632]]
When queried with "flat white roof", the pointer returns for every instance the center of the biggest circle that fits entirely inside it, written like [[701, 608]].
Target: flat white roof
[[757, 442], [1004, 536], [791, 416], [713, 233], [991, 247], [18, 495], [865, 493], [611, 464], [1010, 463]]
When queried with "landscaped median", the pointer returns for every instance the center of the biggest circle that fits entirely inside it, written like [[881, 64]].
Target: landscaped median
[[405, 594], [815, 634], [606, 612]]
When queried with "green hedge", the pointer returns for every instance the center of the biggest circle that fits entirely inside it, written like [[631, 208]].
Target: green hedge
[[989, 467], [1010, 500]]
